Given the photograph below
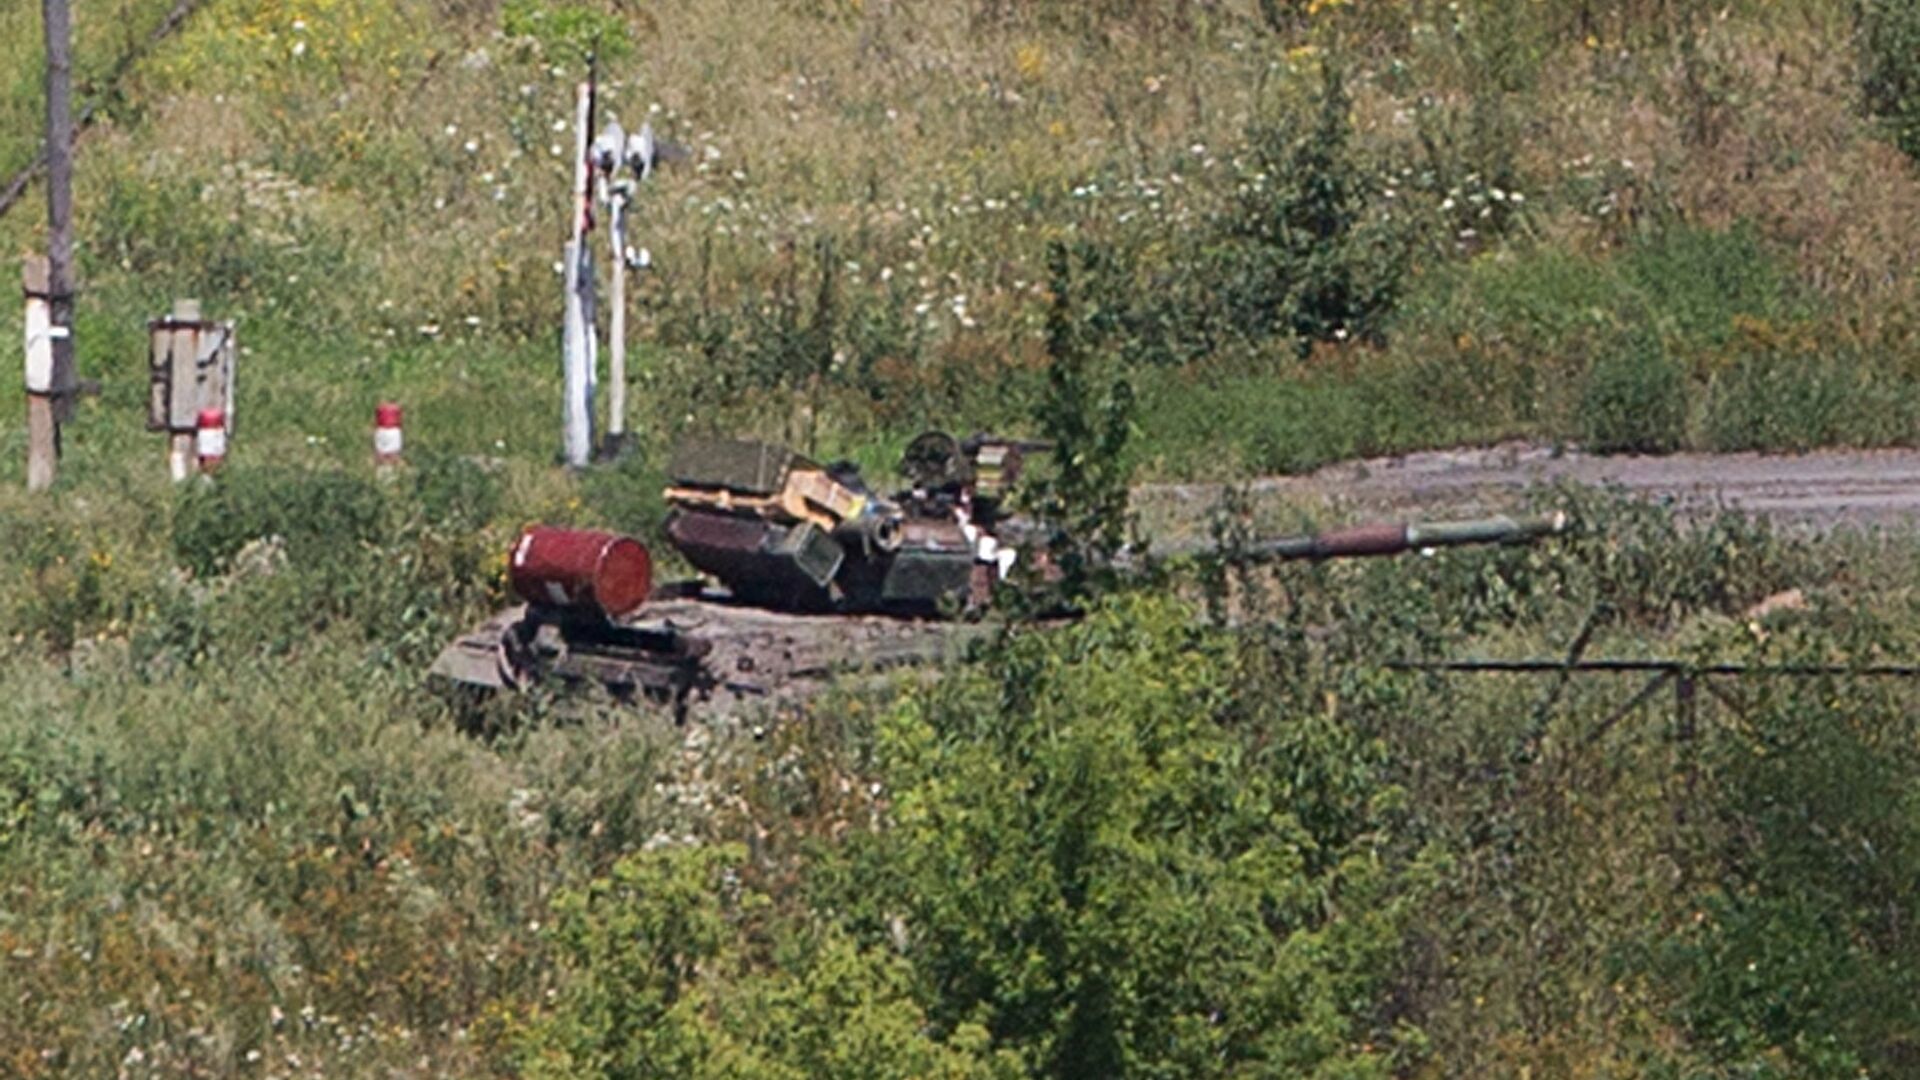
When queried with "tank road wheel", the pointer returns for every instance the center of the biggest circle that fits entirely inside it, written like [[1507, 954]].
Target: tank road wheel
[[514, 657]]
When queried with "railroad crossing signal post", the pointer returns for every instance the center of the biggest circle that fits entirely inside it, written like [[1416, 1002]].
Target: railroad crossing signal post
[[596, 178]]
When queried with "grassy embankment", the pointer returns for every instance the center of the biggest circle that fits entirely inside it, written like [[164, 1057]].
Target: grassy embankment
[[1659, 227], [232, 825]]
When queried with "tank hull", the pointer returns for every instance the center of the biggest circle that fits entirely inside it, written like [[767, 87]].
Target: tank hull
[[702, 651]]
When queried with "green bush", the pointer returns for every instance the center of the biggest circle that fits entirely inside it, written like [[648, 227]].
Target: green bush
[[1100, 854], [1083, 499], [320, 516], [1800, 963], [1700, 282], [665, 982], [1791, 402], [68, 593], [809, 332], [1309, 253], [1889, 44], [453, 492], [628, 495], [1635, 396]]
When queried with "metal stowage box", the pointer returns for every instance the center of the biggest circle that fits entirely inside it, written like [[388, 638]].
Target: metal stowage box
[[190, 368], [751, 468], [808, 549]]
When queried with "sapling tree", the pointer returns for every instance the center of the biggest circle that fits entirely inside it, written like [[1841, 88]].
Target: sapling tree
[[1084, 501]]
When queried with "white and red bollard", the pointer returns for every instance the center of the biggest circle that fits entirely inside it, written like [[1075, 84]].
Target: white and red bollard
[[387, 440], [210, 439]]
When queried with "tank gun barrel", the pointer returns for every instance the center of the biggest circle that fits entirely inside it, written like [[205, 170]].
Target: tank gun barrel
[[1392, 539]]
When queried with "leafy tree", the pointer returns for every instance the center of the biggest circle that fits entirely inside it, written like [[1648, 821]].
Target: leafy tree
[[1084, 501], [1112, 881]]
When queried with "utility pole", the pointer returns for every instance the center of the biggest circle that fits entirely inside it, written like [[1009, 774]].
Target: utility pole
[[51, 402]]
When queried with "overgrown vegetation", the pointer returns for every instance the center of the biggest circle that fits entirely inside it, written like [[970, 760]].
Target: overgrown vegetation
[[239, 837], [1325, 229], [1146, 843]]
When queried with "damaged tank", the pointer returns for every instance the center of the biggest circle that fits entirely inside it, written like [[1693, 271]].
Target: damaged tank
[[810, 573]]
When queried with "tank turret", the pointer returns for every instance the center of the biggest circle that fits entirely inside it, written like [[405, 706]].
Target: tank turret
[[780, 530]]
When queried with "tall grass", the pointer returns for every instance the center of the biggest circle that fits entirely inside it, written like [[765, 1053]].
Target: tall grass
[[372, 191]]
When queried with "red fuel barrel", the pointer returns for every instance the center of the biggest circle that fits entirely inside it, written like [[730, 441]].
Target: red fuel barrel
[[581, 570]]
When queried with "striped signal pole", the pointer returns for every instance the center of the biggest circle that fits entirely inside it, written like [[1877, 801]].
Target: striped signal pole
[[388, 439], [210, 439], [577, 333]]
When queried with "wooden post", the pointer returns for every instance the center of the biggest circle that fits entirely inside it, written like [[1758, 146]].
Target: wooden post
[[43, 433], [182, 462], [183, 458]]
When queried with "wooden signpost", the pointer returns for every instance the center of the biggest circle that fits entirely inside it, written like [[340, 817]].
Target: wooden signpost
[[43, 428], [190, 371]]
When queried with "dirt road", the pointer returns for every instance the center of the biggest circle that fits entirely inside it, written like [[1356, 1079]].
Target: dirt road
[[1821, 491]]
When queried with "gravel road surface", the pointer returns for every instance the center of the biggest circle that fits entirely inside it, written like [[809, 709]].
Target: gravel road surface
[[1821, 491]]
